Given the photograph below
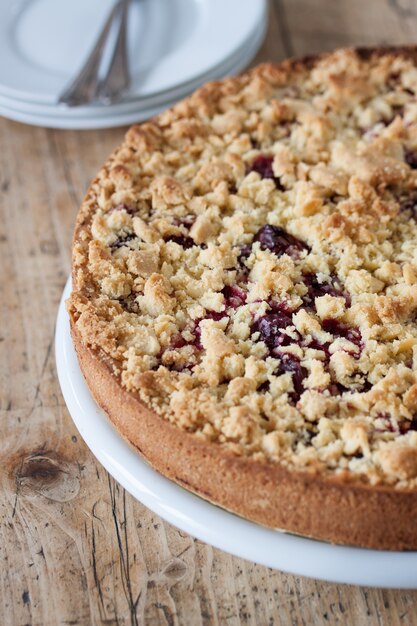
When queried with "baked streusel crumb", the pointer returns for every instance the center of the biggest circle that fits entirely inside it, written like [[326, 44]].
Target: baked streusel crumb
[[247, 264]]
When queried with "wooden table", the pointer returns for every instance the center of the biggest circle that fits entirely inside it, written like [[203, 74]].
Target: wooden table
[[75, 548]]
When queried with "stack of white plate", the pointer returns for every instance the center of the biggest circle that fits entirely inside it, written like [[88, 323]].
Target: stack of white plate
[[174, 47]]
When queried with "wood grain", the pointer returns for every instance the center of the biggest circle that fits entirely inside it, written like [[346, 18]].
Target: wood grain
[[75, 548]]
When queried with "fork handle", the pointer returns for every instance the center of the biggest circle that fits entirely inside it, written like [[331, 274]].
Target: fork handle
[[83, 88], [117, 79]]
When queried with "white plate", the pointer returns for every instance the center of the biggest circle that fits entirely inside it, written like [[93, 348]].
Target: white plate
[[44, 42], [235, 63], [296, 555], [109, 119]]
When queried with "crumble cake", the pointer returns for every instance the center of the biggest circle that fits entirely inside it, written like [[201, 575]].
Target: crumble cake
[[245, 294]]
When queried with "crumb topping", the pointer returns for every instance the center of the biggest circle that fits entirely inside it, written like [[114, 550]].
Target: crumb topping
[[247, 264]]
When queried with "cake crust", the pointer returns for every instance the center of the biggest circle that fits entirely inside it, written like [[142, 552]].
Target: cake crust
[[285, 391]]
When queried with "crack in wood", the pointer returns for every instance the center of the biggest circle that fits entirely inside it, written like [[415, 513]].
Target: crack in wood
[[43, 369], [402, 11], [52, 141], [97, 582], [123, 551], [167, 613]]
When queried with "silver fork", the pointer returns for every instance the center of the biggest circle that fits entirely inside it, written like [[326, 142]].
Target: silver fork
[[117, 79], [87, 86]]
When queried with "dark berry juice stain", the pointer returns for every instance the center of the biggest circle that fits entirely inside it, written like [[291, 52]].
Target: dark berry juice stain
[[121, 241], [278, 241], [182, 240], [290, 363], [271, 329], [262, 165], [332, 287], [234, 296]]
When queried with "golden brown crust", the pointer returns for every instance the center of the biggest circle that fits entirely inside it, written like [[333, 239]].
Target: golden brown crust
[[326, 508], [343, 443]]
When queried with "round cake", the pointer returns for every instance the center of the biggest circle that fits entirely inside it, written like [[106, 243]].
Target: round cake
[[245, 295]]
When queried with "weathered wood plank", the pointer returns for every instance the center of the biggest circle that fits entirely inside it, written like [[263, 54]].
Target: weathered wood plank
[[312, 27]]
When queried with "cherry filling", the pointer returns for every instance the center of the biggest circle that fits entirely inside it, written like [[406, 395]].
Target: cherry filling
[[123, 206], [234, 296], [398, 110], [290, 363], [315, 289], [275, 239], [262, 165], [182, 240], [406, 426], [244, 253], [338, 329], [389, 426], [410, 157], [282, 307], [272, 326], [410, 204], [271, 330], [187, 221], [210, 315], [122, 240], [318, 345], [128, 303], [177, 341], [278, 241], [336, 389]]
